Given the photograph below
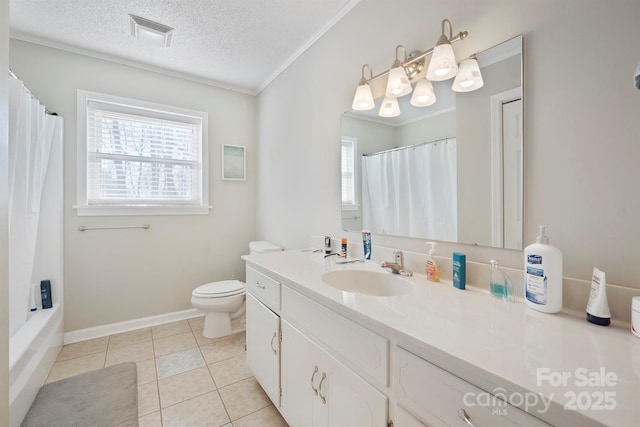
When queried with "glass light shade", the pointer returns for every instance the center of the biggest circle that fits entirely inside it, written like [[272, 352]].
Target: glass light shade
[[398, 83], [469, 77], [363, 99], [443, 64], [389, 107], [423, 94]]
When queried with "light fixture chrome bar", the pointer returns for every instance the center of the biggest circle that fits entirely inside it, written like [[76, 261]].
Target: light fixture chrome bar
[[123, 227], [406, 147], [460, 36]]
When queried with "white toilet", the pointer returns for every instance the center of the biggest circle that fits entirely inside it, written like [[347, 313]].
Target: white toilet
[[224, 301]]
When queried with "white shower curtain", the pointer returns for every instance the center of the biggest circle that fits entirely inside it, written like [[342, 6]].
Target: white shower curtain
[[412, 192], [31, 134]]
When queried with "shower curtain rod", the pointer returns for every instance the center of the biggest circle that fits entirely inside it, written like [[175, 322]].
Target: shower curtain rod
[[46, 110], [408, 146]]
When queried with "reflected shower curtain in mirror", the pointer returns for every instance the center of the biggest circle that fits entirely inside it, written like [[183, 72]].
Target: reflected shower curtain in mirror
[[412, 191], [31, 134]]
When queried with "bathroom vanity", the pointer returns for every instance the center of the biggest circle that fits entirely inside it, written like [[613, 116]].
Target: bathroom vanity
[[428, 355]]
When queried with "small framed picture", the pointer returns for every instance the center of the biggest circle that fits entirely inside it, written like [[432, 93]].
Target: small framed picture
[[234, 163]]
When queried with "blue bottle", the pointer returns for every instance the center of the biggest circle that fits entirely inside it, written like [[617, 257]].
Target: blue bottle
[[459, 270], [45, 292]]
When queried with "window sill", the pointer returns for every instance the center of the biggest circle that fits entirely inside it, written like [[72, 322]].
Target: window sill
[[90, 210]]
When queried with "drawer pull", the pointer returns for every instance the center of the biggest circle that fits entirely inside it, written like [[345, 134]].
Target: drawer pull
[[315, 371], [275, 334], [259, 285], [464, 417], [324, 399]]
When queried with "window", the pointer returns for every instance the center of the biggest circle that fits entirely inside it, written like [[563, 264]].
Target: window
[[349, 196], [136, 157]]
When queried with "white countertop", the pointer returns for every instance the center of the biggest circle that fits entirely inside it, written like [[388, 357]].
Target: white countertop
[[489, 342]]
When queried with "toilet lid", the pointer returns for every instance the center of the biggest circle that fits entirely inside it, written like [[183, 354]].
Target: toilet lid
[[222, 288]]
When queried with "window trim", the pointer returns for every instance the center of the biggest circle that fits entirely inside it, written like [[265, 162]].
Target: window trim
[[83, 208]]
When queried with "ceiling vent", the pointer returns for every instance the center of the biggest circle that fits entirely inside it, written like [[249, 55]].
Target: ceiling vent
[[150, 31]]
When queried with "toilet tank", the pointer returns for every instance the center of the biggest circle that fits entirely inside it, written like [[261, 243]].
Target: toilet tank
[[262, 246]]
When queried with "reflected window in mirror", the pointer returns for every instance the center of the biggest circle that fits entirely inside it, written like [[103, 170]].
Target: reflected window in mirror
[[349, 173]]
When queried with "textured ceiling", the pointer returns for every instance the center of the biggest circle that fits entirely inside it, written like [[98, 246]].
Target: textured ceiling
[[240, 44]]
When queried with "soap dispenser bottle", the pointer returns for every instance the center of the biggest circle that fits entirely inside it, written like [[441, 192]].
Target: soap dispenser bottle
[[543, 275], [431, 266], [500, 285]]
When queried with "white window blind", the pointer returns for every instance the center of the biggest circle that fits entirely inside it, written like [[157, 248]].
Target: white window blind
[[142, 155], [349, 200]]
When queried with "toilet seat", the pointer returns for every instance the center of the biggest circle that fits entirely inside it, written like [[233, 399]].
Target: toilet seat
[[224, 288]]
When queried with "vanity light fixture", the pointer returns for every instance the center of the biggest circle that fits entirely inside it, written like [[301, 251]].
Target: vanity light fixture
[[363, 100], [442, 66], [443, 63], [423, 95], [468, 77], [389, 107], [150, 31], [398, 82]]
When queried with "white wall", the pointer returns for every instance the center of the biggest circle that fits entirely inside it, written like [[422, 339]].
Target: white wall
[[581, 123], [119, 275], [4, 221]]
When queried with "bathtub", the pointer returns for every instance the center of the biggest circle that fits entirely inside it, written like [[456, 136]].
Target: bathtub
[[32, 351]]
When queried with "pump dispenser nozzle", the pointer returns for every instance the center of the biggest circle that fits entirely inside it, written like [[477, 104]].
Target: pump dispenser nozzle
[[432, 251], [542, 238]]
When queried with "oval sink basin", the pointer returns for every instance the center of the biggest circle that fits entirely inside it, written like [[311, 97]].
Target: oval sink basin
[[368, 283]]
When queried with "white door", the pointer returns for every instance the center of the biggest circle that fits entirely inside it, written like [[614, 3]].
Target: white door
[[512, 163], [350, 400], [300, 376], [317, 390], [263, 347], [506, 169]]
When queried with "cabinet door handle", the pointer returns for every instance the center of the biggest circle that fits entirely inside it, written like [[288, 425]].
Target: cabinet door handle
[[259, 285], [324, 399], [464, 417], [275, 334], [315, 371]]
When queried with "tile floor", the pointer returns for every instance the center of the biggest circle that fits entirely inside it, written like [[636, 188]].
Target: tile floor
[[184, 379]]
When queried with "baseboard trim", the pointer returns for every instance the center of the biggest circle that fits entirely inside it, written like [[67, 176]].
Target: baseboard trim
[[128, 325]]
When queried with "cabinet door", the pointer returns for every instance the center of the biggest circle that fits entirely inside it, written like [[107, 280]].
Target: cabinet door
[[350, 400], [300, 376], [318, 390], [263, 347]]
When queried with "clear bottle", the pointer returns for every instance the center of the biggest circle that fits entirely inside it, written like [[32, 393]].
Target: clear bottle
[[500, 285], [431, 266]]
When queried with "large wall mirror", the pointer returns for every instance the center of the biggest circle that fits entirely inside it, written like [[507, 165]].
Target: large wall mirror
[[452, 171]]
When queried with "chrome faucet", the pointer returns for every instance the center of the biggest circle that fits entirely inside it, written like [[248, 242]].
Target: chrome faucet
[[398, 266]]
